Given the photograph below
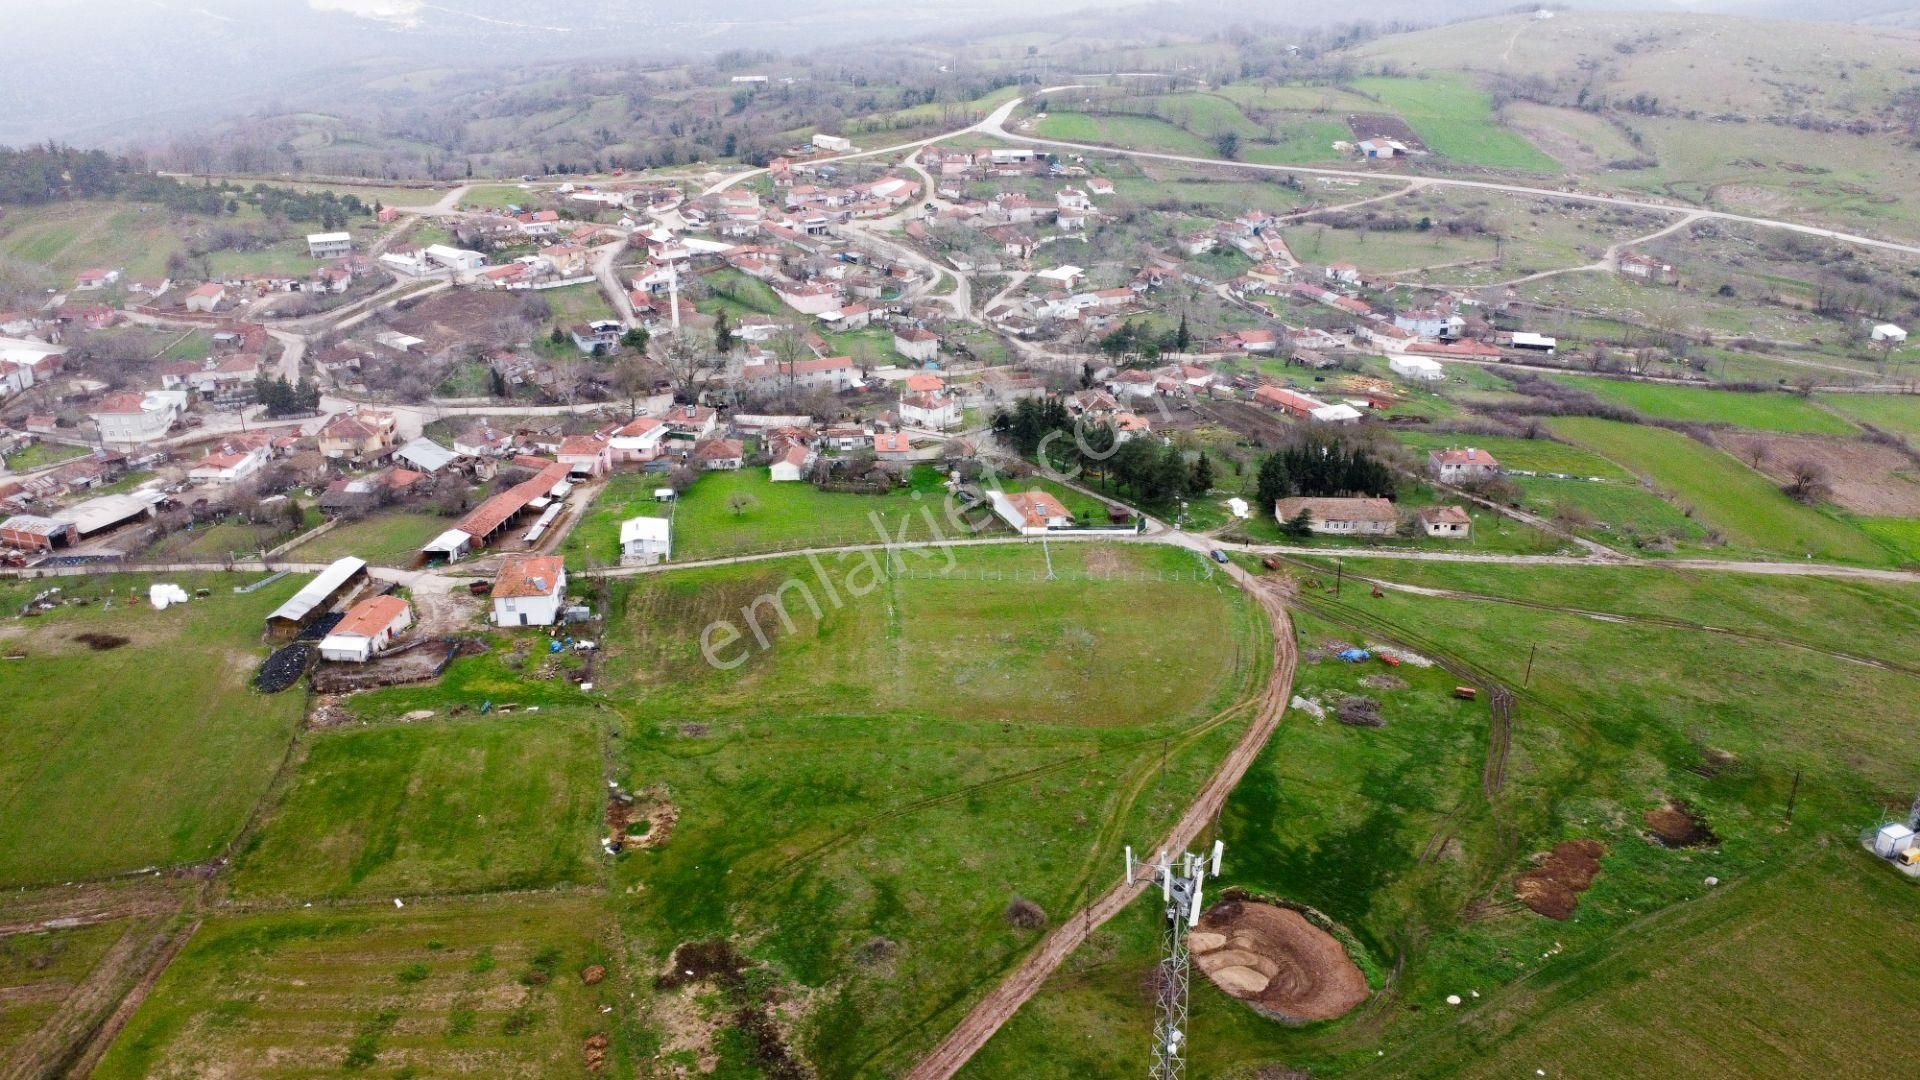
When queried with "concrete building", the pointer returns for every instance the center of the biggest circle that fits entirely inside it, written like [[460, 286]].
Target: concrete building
[[1341, 517], [128, 419], [1446, 522], [329, 245], [1466, 466], [646, 540], [369, 626], [1031, 513], [529, 591]]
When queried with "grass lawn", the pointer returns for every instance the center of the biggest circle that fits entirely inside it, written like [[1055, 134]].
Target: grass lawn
[[1898, 413], [779, 517], [1346, 820], [42, 454], [468, 989], [438, 807], [1532, 455], [578, 304], [90, 728], [68, 237], [883, 781], [1386, 252], [498, 196], [1616, 513], [1758, 412], [385, 538], [1455, 119], [1124, 131], [42, 970], [595, 540], [1744, 507], [737, 294]]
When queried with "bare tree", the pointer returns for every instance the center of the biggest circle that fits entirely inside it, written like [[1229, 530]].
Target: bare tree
[[689, 363], [1806, 480]]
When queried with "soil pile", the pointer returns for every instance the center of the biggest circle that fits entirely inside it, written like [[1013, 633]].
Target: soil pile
[[99, 642], [1359, 711], [1677, 825], [1553, 887], [1276, 961]]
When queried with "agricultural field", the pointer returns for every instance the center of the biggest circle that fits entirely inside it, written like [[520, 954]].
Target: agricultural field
[[1897, 413], [1746, 509], [450, 988], [1778, 412], [1393, 833], [742, 513], [384, 538], [66, 238], [577, 304], [1006, 729], [1388, 252], [499, 196], [90, 716], [1532, 455], [40, 455], [1456, 121], [444, 807], [1122, 130]]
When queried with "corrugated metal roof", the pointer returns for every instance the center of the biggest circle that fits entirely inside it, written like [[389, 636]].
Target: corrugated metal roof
[[316, 592]]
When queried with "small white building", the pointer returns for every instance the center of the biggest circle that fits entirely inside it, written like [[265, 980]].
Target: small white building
[[791, 464], [835, 143], [329, 245], [1888, 333], [646, 540], [1446, 522], [917, 343], [1416, 368], [459, 260], [369, 626], [529, 591]]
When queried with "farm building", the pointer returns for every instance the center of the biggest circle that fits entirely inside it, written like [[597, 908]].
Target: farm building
[[425, 455], [329, 245], [106, 512], [1342, 517], [369, 627], [791, 464], [30, 533], [317, 597], [1462, 466], [1446, 522], [646, 540], [1538, 343], [490, 518], [1646, 268], [1417, 368], [529, 590], [1889, 334]]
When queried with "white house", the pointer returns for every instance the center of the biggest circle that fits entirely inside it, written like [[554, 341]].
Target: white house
[[791, 464], [228, 466], [206, 298], [1031, 513], [369, 626], [1446, 522], [1417, 368], [932, 410], [1887, 333], [639, 440], [646, 540], [1462, 466], [132, 418], [529, 591], [917, 343], [452, 258], [329, 245]]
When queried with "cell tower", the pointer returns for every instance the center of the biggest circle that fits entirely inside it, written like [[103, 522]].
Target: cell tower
[[1180, 887]]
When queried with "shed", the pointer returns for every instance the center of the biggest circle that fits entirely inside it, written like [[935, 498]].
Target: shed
[[317, 597], [367, 628], [30, 533], [646, 540], [426, 455]]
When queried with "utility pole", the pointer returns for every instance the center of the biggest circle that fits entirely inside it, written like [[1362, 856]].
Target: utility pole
[[1528, 679]]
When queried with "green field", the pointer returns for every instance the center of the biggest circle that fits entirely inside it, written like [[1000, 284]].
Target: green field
[[1345, 819], [1757, 412], [469, 989], [1387, 251], [883, 780], [66, 238], [1455, 119], [441, 807], [1125, 131], [1621, 514], [385, 538], [1897, 413], [499, 196], [1533, 455], [1744, 507], [778, 517], [42, 454], [40, 971], [88, 728]]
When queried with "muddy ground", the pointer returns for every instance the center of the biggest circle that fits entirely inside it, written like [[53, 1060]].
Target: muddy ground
[[1276, 961], [1553, 887]]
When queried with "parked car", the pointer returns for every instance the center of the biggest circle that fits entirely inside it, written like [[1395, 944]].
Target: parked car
[[1218, 555]]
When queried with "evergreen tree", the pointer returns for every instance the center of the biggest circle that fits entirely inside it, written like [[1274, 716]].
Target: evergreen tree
[[1202, 480], [1182, 337], [1274, 483], [722, 334]]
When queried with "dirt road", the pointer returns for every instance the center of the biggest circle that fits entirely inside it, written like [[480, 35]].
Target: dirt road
[[1006, 998]]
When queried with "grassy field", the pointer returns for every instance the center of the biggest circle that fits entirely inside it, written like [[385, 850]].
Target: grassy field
[[1898, 413], [1386, 252], [1744, 507], [1125, 131], [1533, 455], [578, 304], [66, 238], [441, 807], [41, 970], [778, 517], [467, 989], [1347, 820], [884, 780], [1455, 119], [498, 196], [92, 729], [42, 454], [1757, 412], [1621, 513], [386, 538]]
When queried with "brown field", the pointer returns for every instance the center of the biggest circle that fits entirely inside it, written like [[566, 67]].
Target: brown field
[[459, 317], [1863, 477], [1383, 126]]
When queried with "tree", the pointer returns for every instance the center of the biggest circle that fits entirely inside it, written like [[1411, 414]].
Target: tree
[[1274, 483], [1299, 526], [1202, 479], [635, 338], [557, 336], [689, 366], [722, 334], [1806, 480], [1228, 143], [740, 502], [631, 379], [497, 383], [1182, 337]]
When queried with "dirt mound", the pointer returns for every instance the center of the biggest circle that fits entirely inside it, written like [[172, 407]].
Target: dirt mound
[[1358, 711], [1384, 682], [1276, 961], [592, 974], [641, 820], [99, 642], [596, 1052], [1677, 825], [1553, 887]]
